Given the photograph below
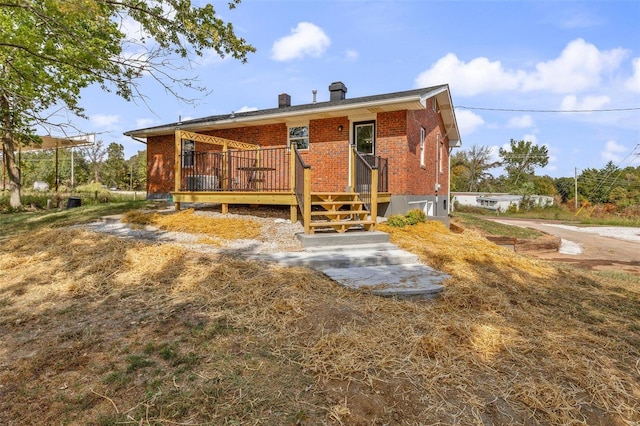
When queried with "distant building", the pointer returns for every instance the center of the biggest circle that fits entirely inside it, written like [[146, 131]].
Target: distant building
[[40, 186], [496, 201]]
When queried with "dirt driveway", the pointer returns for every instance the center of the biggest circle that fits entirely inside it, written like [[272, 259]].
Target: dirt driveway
[[599, 248]]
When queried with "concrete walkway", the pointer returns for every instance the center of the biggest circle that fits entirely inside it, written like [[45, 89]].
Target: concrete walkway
[[377, 267]]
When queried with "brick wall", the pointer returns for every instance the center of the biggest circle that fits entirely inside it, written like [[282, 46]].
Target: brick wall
[[160, 159], [328, 154], [397, 138]]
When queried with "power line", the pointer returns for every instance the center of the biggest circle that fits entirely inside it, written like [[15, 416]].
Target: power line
[[549, 110]]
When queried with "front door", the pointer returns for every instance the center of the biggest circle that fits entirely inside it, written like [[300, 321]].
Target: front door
[[364, 137]]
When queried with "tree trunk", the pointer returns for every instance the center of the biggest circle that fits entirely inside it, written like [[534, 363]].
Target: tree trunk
[[13, 171]]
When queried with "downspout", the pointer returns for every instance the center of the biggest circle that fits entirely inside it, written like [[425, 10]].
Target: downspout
[[438, 160], [449, 182]]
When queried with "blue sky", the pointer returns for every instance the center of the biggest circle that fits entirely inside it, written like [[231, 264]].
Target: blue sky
[[520, 56]]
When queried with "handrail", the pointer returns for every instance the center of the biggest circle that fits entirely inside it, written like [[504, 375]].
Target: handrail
[[363, 178]]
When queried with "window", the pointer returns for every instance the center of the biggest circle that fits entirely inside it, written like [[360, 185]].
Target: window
[[299, 137], [188, 148], [365, 137], [440, 157], [434, 104], [423, 135]]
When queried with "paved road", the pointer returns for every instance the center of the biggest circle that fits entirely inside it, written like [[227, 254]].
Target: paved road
[[618, 248]]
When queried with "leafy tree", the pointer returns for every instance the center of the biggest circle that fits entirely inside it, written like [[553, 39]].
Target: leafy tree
[[565, 186], [470, 168], [543, 185], [596, 184], [137, 171], [51, 49], [618, 196], [115, 168], [521, 160], [94, 155]]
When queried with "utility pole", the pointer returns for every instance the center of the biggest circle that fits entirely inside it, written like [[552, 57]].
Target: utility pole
[[575, 187]]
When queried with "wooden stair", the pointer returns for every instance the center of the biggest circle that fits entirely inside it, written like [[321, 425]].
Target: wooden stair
[[340, 211]]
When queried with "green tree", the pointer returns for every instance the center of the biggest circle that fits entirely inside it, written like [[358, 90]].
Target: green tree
[[596, 184], [51, 49], [543, 185], [618, 196], [521, 160], [94, 155], [565, 186], [114, 170], [470, 168], [137, 171]]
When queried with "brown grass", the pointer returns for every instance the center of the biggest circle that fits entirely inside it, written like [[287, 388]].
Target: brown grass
[[190, 222], [104, 331]]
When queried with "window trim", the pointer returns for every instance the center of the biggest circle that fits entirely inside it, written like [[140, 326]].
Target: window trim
[[355, 136], [289, 139]]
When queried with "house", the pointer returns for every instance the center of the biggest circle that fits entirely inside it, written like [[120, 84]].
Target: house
[[500, 202], [340, 162]]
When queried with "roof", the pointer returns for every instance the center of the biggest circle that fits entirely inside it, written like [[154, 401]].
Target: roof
[[501, 197], [410, 100], [50, 142]]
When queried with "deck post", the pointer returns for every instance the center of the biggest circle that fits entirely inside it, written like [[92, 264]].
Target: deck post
[[352, 169], [226, 175], [306, 215], [374, 197], [292, 183], [177, 168]]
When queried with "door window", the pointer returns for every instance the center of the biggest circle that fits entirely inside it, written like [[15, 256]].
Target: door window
[[365, 137]]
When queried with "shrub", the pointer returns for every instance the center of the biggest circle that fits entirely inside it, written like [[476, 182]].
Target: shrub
[[415, 216], [397, 221]]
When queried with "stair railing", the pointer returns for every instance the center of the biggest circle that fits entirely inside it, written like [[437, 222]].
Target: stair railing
[[366, 181], [303, 189]]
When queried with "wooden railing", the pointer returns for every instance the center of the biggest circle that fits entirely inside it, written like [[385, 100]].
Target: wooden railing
[[263, 170], [303, 188]]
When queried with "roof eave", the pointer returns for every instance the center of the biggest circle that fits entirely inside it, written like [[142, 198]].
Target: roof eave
[[419, 100]]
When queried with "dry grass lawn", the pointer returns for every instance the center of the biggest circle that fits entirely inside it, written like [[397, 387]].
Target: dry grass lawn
[[97, 330]]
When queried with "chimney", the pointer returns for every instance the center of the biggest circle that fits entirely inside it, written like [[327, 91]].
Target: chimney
[[337, 91], [284, 100]]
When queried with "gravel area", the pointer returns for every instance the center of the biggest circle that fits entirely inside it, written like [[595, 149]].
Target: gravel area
[[278, 235]]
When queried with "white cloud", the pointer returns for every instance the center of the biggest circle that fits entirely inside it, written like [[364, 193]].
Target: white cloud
[[530, 138], [580, 20], [104, 120], [613, 151], [468, 121], [633, 83], [247, 109], [141, 123], [571, 102], [468, 79], [579, 67], [306, 39], [352, 55], [521, 122]]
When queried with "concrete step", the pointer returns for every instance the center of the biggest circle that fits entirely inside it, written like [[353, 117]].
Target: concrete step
[[335, 239], [323, 259], [409, 281]]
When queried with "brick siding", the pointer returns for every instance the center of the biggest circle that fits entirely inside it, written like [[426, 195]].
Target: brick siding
[[397, 138]]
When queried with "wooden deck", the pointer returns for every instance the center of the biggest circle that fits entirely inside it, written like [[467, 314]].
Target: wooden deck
[[240, 173]]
